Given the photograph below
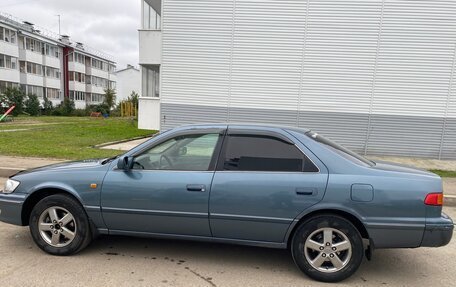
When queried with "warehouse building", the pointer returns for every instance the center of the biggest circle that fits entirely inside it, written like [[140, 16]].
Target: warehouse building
[[377, 76]]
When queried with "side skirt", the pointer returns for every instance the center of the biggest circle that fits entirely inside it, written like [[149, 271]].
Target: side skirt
[[194, 238]]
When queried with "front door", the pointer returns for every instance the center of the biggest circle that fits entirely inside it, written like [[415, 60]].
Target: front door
[[262, 183], [167, 191]]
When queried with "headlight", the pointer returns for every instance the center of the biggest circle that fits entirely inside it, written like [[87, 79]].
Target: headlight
[[10, 185]]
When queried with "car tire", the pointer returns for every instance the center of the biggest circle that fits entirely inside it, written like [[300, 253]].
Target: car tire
[[59, 225], [327, 248]]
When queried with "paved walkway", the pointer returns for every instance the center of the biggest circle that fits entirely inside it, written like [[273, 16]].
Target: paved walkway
[[420, 162], [126, 145]]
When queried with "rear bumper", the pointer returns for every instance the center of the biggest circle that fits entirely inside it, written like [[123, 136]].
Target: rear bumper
[[438, 232], [11, 208]]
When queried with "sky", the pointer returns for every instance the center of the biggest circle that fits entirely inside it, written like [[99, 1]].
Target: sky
[[110, 26]]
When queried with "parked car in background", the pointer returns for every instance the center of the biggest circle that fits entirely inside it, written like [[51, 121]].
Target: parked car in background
[[259, 185]]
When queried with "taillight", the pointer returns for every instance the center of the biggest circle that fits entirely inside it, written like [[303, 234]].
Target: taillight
[[434, 199]]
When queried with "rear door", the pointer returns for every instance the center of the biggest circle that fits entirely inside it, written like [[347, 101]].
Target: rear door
[[262, 182]]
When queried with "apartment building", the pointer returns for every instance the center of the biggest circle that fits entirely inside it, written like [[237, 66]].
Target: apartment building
[[377, 76], [49, 65]]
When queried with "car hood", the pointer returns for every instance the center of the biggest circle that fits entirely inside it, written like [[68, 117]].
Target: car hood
[[89, 163], [389, 166]]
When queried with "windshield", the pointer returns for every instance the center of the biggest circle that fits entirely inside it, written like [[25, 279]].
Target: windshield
[[348, 154]]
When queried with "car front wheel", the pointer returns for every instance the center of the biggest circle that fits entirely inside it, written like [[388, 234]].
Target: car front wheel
[[327, 248], [59, 225]]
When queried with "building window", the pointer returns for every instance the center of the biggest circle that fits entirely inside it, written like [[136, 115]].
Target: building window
[[80, 58], [77, 96], [8, 62], [31, 68], [52, 73], [35, 90], [77, 77], [53, 94], [96, 98], [99, 82], [5, 85], [151, 18], [34, 45], [151, 81], [100, 65], [52, 51], [8, 35]]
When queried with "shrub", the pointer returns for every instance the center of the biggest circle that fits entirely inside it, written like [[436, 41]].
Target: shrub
[[32, 105], [48, 107], [67, 107], [13, 97], [80, 113]]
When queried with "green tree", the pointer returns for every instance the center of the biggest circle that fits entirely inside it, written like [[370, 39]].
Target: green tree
[[110, 98], [13, 97], [67, 107], [32, 105], [48, 107], [133, 97]]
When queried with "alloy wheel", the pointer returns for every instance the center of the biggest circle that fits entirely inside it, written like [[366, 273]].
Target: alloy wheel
[[327, 250], [57, 226]]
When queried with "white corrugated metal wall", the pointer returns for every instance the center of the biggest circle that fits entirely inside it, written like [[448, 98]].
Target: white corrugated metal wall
[[377, 76]]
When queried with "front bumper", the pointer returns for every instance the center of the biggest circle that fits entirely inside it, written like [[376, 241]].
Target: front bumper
[[438, 232], [11, 208]]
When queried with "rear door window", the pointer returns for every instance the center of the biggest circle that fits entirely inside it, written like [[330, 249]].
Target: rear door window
[[263, 153]]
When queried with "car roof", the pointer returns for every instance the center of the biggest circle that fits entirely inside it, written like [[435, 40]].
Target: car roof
[[241, 125]]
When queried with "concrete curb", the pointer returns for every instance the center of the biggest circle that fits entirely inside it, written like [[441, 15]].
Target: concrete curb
[[122, 141]]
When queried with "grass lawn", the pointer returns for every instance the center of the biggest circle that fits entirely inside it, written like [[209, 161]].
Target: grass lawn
[[65, 137], [444, 173]]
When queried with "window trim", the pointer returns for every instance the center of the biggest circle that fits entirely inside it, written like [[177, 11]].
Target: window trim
[[256, 133], [215, 155]]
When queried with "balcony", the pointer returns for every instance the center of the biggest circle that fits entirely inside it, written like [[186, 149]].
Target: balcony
[[9, 75], [52, 62], [31, 79], [77, 86], [7, 48], [99, 73], [150, 43], [30, 56], [94, 89], [52, 83], [76, 67]]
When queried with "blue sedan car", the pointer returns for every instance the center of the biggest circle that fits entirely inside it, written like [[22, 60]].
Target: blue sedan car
[[259, 185]]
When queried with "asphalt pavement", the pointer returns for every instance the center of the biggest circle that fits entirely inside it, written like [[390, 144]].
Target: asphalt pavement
[[125, 261]]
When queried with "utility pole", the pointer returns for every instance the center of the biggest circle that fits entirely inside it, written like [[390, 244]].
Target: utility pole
[[59, 24]]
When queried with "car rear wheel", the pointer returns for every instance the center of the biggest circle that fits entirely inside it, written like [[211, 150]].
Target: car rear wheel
[[59, 225], [327, 248]]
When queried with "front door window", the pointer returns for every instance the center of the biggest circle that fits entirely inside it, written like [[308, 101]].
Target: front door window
[[186, 153]]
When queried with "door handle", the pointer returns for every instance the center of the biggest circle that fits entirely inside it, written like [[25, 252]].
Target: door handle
[[196, 187], [306, 191]]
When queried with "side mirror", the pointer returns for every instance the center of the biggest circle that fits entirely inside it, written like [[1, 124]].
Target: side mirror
[[125, 163]]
